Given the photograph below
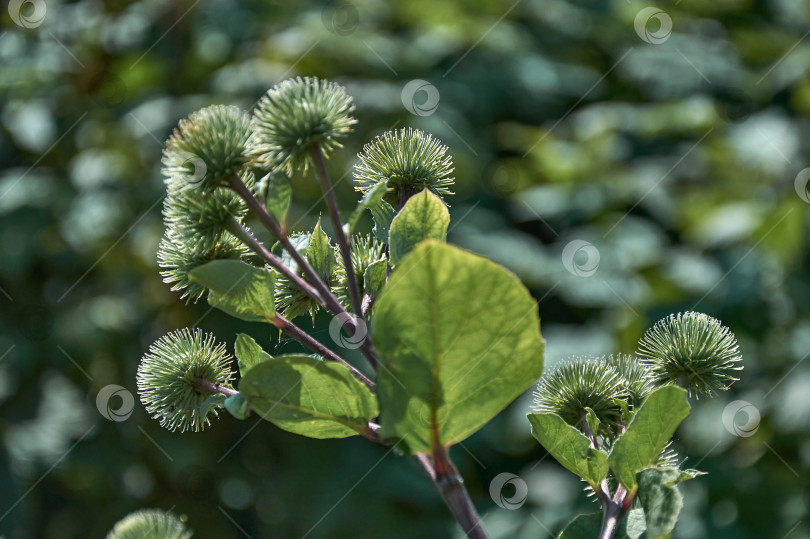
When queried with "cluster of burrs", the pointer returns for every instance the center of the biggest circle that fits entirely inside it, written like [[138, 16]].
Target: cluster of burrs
[[220, 165]]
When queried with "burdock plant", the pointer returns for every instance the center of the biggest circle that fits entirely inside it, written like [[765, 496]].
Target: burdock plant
[[610, 420], [446, 338]]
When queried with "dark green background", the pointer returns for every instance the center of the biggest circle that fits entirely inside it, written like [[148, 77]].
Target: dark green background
[[675, 160]]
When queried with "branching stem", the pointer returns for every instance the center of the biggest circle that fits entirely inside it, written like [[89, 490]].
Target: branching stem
[[317, 289]]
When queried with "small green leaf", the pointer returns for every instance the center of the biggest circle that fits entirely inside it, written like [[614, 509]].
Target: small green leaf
[[686, 475], [211, 403], [627, 414], [583, 527], [278, 195], [423, 217], [371, 198], [310, 397], [320, 253], [592, 420], [238, 406], [374, 278], [459, 337], [570, 447], [240, 289], [383, 214], [660, 499], [648, 433], [248, 352], [299, 242]]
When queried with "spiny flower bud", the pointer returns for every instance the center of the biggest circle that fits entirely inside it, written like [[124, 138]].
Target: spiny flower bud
[[366, 250], [408, 161], [692, 350], [179, 254], [203, 217], [579, 384], [206, 148], [150, 524], [296, 114], [635, 377], [318, 251], [170, 377]]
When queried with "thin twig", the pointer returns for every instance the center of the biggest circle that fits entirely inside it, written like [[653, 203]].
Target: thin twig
[[329, 299], [322, 174], [238, 229], [309, 342]]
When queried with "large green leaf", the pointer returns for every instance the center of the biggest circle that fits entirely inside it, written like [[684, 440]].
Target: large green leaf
[[648, 433], [660, 498], [458, 338], [248, 352], [583, 527], [570, 447], [308, 396], [238, 288], [423, 217]]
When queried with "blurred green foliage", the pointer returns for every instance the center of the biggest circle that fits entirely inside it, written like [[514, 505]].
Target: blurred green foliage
[[675, 160]]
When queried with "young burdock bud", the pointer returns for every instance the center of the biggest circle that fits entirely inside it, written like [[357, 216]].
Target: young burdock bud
[[206, 148], [179, 374], [408, 161], [203, 218], [320, 254], [366, 250], [635, 377], [692, 350], [295, 115], [150, 524], [580, 384]]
